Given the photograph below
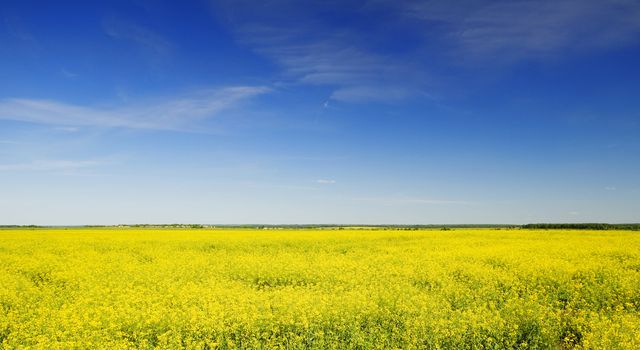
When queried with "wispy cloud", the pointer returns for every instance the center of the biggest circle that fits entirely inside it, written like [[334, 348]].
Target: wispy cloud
[[16, 29], [279, 186], [50, 165], [529, 28], [326, 181], [360, 66], [356, 75], [177, 113], [318, 53], [121, 29], [68, 74], [392, 200], [9, 142], [67, 129], [364, 93]]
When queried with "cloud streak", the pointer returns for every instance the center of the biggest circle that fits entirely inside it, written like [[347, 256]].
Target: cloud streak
[[120, 29], [178, 113], [49, 165], [326, 181], [409, 201], [359, 67], [356, 75], [318, 53], [529, 28]]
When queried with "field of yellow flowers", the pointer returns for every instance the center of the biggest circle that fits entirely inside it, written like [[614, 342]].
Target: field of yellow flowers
[[125, 288]]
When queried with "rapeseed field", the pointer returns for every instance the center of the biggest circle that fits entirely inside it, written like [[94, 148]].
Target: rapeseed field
[[124, 288]]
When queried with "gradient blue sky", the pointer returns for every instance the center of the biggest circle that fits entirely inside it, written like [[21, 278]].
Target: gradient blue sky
[[399, 112]]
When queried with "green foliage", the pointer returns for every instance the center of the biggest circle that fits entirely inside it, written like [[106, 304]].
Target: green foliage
[[582, 226]]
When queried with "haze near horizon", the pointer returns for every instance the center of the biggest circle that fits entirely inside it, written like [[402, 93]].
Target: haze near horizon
[[338, 112]]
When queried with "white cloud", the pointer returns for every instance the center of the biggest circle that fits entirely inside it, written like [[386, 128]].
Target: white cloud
[[530, 28], [326, 181], [355, 59], [319, 53], [118, 28], [329, 61], [66, 129], [610, 188], [68, 74], [48, 165], [371, 93], [17, 29], [392, 200], [177, 113], [359, 75]]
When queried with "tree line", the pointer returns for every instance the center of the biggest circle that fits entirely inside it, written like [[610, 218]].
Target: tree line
[[583, 226]]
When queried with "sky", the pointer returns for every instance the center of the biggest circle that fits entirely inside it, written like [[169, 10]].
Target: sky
[[332, 112]]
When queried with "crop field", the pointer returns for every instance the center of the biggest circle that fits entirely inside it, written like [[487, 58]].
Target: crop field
[[125, 288]]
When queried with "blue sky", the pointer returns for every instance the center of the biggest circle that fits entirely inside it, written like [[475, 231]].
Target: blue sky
[[398, 112]]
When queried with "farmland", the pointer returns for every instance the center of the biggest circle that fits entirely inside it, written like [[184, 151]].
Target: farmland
[[123, 288]]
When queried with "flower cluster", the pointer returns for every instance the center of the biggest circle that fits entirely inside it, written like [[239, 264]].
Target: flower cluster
[[126, 288]]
